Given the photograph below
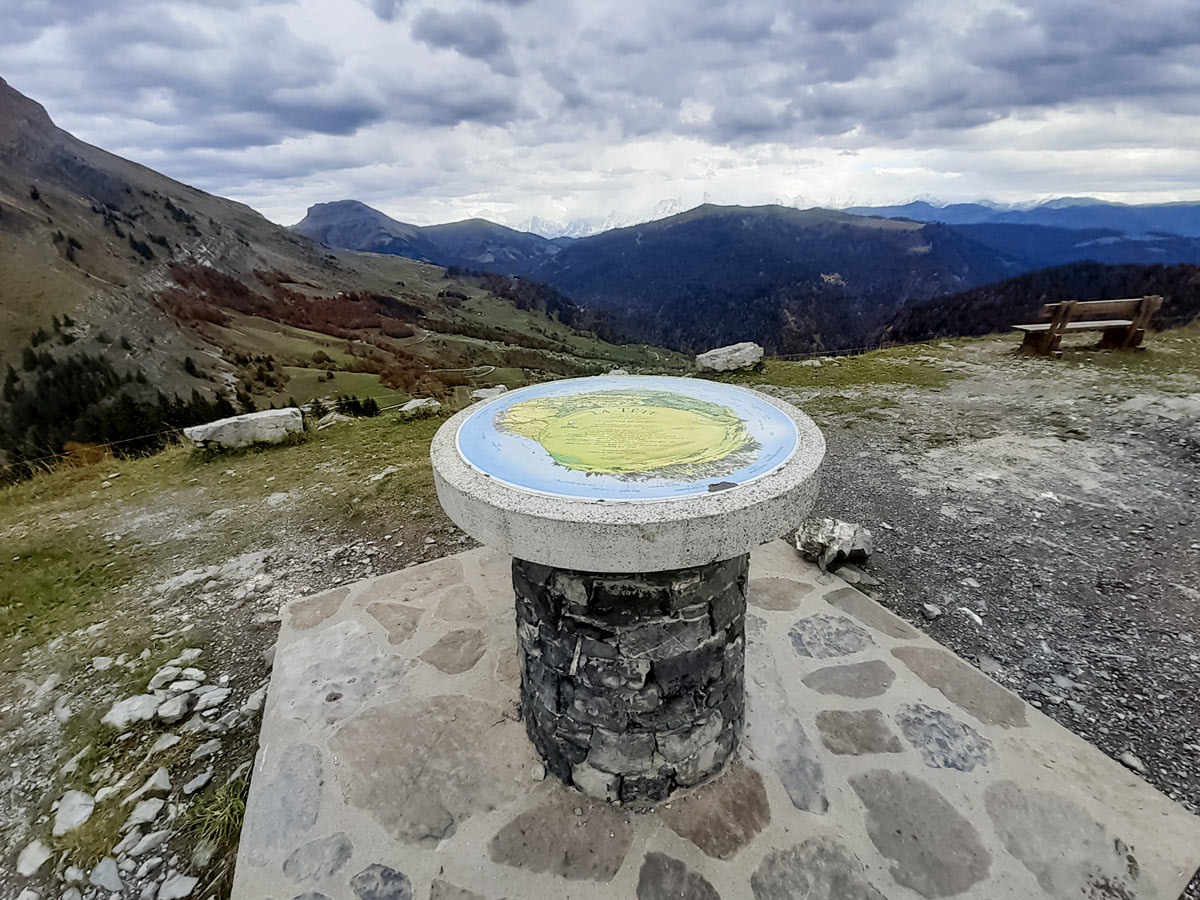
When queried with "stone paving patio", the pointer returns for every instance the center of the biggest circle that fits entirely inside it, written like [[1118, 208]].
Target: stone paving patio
[[875, 764]]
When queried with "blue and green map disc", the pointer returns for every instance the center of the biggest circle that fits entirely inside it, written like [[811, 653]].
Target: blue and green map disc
[[627, 438]]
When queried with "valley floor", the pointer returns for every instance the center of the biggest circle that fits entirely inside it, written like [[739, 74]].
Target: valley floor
[[1049, 508]]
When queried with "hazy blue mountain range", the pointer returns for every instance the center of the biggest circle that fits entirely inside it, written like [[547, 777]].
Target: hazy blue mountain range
[[1065, 212], [790, 279]]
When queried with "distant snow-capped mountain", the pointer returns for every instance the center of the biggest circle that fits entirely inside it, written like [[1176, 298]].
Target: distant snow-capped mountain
[[577, 228]]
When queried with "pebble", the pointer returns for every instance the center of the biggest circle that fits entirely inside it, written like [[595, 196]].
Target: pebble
[[538, 773], [930, 611], [100, 663], [1129, 760]]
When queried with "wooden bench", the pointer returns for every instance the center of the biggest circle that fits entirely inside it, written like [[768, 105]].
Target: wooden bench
[[1122, 323]]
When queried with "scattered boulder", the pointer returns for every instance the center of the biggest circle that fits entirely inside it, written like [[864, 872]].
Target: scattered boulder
[[832, 542], [269, 426], [199, 782], [731, 358], [105, 875], [157, 785], [171, 711], [144, 813], [488, 393], [138, 708], [177, 887], [333, 418], [419, 403], [74, 809]]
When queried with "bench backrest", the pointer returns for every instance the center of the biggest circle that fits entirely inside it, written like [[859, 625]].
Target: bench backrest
[[1139, 309]]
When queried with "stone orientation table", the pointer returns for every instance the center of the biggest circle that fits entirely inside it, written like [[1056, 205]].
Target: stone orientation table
[[393, 765], [630, 506]]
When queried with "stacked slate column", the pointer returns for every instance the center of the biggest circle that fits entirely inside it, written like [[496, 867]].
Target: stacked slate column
[[632, 685]]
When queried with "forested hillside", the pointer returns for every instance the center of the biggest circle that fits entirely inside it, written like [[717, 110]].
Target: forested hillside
[[996, 307]]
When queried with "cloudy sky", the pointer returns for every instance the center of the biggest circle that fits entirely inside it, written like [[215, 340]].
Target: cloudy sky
[[575, 109]]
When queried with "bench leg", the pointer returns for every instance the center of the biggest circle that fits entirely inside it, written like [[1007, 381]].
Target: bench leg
[[1031, 343]]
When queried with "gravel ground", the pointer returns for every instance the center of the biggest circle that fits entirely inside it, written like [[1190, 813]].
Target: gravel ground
[[1062, 512]]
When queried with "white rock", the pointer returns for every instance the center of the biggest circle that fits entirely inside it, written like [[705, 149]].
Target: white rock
[[152, 841], [106, 876], [165, 742], [32, 858], [189, 655], [1130, 761], [163, 676], [100, 663], [970, 614], [830, 542], [420, 403], [930, 610], [379, 476], [149, 866], [149, 892], [254, 703], [176, 887], [71, 894], [811, 363], [144, 813], [137, 708], [157, 785], [126, 844], [208, 748], [193, 674], [538, 773], [183, 686], [488, 393], [73, 874], [73, 810], [269, 426], [173, 710], [212, 699], [29, 894], [198, 782], [730, 358]]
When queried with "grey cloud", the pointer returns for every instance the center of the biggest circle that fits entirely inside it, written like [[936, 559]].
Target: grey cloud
[[387, 10], [472, 33]]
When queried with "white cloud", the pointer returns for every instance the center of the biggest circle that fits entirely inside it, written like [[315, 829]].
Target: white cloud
[[568, 110]]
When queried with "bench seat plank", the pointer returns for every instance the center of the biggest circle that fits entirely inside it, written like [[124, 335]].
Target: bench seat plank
[[1098, 325]]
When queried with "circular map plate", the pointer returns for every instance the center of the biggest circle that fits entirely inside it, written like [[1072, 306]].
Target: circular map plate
[[627, 438]]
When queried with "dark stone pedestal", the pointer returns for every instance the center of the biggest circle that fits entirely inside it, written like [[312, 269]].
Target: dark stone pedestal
[[631, 685]]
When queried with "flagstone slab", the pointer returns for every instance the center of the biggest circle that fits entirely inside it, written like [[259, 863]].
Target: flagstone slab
[[393, 765]]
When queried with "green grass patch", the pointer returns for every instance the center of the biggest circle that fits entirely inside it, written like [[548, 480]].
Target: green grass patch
[[305, 384], [258, 336], [897, 367], [216, 816], [49, 585]]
